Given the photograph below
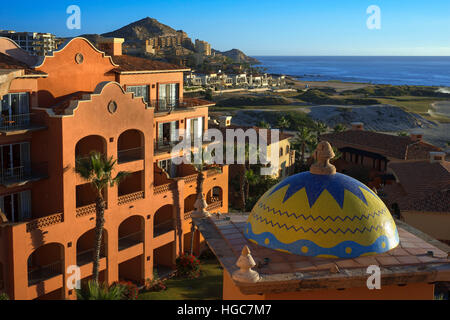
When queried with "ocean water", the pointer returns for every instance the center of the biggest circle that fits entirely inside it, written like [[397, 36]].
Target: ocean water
[[427, 71]]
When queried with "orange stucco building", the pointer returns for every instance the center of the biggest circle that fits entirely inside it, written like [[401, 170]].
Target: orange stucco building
[[61, 107]]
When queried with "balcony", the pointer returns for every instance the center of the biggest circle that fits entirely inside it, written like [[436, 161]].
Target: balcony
[[21, 123], [129, 155], [131, 240], [122, 200], [174, 104], [163, 228], [87, 256], [42, 273], [23, 174]]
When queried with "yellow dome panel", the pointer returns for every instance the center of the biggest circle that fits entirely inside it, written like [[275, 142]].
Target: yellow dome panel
[[322, 215]]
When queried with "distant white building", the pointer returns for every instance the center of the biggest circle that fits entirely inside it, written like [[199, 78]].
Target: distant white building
[[233, 80], [35, 43]]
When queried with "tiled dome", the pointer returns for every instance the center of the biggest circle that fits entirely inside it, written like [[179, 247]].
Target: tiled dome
[[322, 215]]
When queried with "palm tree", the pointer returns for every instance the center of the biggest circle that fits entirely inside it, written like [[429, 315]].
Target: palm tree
[[97, 169], [283, 123], [339, 128], [304, 138], [263, 124], [320, 127]]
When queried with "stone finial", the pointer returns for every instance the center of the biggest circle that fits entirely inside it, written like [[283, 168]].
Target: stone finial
[[323, 154], [245, 264], [200, 207]]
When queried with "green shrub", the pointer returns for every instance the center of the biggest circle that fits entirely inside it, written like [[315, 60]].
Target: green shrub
[[188, 266], [155, 284], [4, 296], [131, 290], [101, 291]]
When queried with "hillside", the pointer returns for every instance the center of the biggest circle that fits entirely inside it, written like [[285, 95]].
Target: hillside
[[237, 56], [148, 27], [141, 30]]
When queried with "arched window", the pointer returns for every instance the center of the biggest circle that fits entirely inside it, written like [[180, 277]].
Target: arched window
[[281, 152]]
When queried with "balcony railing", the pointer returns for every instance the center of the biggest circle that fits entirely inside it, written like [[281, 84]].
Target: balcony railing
[[163, 227], [24, 173], [172, 104], [45, 222], [87, 256], [130, 197], [130, 240], [21, 122], [214, 205], [130, 155], [85, 210], [191, 178], [187, 215], [163, 188], [42, 273]]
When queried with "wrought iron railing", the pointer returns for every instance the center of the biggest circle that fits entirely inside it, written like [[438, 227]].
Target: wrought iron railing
[[20, 121], [130, 155], [130, 240], [168, 105], [127, 198], [42, 273], [163, 227], [23, 173]]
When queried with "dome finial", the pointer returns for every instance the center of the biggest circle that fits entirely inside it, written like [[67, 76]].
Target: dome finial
[[245, 264], [323, 154]]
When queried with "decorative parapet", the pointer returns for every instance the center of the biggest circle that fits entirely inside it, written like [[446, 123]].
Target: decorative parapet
[[163, 188], [130, 197], [191, 178], [85, 211], [45, 222]]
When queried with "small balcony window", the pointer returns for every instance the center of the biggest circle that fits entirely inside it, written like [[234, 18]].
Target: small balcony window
[[140, 91], [17, 206]]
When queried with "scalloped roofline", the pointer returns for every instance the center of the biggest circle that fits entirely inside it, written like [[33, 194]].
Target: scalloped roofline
[[74, 104], [23, 51], [42, 59]]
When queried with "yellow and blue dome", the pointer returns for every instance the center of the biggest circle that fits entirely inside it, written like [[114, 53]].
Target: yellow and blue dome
[[322, 215]]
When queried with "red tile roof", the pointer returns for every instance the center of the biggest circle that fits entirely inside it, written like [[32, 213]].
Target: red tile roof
[[381, 143], [438, 201], [129, 64], [8, 62], [422, 186]]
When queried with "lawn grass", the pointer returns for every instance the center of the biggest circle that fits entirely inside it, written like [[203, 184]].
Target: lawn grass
[[207, 287], [419, 105]]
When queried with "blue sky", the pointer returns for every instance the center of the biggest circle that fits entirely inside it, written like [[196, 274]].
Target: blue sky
[[260, 27]]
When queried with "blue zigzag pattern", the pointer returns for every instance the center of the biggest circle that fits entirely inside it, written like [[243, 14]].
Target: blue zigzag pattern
[[264, 220], [370, 215]]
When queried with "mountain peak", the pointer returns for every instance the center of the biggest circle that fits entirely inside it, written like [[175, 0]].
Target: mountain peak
[[141, 30]]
